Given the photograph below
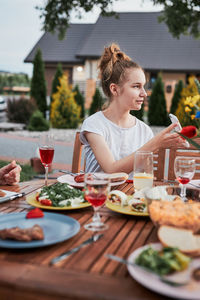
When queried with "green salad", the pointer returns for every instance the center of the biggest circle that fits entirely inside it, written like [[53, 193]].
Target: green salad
[[60, 194], [163, 262]]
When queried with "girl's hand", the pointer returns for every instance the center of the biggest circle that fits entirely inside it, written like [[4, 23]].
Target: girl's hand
[[167, 139]]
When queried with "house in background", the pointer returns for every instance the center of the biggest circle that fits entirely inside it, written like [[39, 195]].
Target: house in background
[[138, 34]]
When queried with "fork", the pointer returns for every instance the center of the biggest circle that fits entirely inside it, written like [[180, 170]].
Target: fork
[[69, 172], [166, 279]]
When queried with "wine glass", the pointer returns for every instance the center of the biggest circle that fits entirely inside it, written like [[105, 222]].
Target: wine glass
[[143, 169], [97, 187], [184, 169], [46, 150]]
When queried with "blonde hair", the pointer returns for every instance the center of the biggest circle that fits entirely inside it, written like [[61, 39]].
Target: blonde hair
[[113, 66]]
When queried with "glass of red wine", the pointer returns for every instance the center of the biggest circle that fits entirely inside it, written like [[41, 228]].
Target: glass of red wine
[[97, 187], [46, 150], [184, 169]]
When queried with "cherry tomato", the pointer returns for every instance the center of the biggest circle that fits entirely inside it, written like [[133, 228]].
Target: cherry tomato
[[46, 202]]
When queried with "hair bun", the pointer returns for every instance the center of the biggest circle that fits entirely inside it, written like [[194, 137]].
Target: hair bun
[[117, 54]]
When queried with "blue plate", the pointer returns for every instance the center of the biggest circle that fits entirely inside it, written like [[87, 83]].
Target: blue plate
[[56, 227]]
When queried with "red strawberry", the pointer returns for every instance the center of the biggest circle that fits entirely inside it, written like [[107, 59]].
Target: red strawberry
[[35, 213]]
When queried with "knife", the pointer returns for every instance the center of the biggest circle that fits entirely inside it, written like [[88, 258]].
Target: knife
[[8, 198], [92, 239]]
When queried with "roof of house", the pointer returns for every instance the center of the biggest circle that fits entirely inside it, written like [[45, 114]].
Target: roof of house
[[55, 50], [138, 34]]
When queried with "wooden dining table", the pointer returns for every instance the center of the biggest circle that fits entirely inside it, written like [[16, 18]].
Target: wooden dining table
[[87, 274]]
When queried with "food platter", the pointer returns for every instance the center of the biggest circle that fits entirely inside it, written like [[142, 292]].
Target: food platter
[[31, 199], [125, 210], [70, 180], [152, 282]]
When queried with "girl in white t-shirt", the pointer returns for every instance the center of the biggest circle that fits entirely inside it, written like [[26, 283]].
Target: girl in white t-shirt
[[113, 135]]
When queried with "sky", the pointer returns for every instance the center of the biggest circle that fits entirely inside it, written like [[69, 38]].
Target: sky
[[21, 28]]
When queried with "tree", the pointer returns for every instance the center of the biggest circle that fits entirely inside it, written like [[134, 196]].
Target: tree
[[56, 13], [157, 114], [55, 83], [181, 16], [79, 100], [97, 102], [176, 97], [65, 112], [38, 83]]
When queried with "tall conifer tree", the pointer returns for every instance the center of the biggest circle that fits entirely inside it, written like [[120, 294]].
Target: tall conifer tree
[[97, 102], [38, 83], [157, 114], [55, 82], [176, 97], [79, 100]]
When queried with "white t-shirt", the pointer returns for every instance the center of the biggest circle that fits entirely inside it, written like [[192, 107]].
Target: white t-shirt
[[121, 141]]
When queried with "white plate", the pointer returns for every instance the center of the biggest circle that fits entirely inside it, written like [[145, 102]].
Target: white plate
[[196, 182], [8, 193], [70, 180], [147, 279]]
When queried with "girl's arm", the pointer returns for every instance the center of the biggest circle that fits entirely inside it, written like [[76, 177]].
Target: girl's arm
[[165, 139]]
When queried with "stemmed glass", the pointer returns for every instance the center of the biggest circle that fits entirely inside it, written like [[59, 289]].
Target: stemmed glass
[[184, 169], [46, 150], [97, 187]]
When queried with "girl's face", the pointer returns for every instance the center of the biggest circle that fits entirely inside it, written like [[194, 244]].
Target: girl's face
[[131, 92]]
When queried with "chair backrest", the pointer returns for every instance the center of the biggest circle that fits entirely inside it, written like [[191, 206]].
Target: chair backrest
[[187, 152], [159, 164], [77, 154], [159, 159]]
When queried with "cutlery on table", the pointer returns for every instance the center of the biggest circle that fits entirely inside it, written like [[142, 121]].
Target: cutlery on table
[[62, 256], [69, 172], [165, 278], [195, 185], [8, 198]]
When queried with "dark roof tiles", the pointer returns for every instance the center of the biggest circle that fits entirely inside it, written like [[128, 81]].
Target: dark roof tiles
[[138, 34]]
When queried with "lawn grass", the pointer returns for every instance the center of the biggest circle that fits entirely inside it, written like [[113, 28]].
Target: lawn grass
[[27, 172]]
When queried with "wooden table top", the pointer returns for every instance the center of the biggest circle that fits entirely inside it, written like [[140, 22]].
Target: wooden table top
[[86, 274]]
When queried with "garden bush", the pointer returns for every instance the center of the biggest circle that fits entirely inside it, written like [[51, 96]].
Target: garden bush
[[190, 90], [20, 110], [38, 122], [65, 112]]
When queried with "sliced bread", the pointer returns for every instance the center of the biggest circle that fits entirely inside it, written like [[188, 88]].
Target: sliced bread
[[183, 239]]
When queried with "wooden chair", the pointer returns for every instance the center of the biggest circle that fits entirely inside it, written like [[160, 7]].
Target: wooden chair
[[188, 152], [77, 154], [159, 159], [159, 164]]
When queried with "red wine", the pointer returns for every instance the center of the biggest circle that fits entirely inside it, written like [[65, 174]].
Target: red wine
[[183, 180], [96, 199], [46, 155]]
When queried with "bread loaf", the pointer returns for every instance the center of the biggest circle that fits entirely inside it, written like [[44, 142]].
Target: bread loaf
[[183, 239]]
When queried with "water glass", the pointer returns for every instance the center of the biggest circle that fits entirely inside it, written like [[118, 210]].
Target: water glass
[[143, 169]]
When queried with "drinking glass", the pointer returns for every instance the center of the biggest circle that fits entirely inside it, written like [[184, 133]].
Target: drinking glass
[[184, 169], [143, 170], [46, 150], [97, 187]]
